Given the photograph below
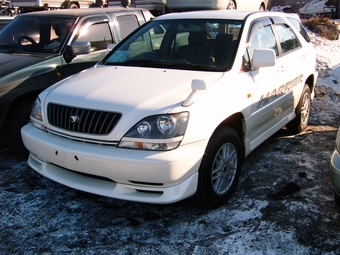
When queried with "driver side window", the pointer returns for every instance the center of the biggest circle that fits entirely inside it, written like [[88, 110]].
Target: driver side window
[[98, 34], [261, 37]]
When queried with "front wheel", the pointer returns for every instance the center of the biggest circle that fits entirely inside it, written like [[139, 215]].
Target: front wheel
[[220, 168], [302, 111]]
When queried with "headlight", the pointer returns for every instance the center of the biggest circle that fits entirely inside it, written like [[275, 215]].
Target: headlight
[[36, 110], [36, 116], [160, 132]]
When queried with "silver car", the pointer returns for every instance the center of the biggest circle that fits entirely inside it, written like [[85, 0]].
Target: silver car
[[156, 7], [335, 169]]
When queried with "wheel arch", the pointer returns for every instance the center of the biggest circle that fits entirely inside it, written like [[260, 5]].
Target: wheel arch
[[17, 102], [236, 122], [66, 4], [311, 81]]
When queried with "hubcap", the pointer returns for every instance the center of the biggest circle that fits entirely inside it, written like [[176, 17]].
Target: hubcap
[[224, 168], [305, 109]]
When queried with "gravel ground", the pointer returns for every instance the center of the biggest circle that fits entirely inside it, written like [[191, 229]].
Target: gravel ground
[[283, 205]]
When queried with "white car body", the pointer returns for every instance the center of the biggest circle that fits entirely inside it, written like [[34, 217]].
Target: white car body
[[250, 103], [242, 5]]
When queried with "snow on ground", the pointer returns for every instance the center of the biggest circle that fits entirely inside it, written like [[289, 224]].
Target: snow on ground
[[328, 61], [283, 204]]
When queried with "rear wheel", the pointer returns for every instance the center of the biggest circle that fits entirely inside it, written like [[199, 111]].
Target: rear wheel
[[125, 3], [231, 5], [73, 6], [302, 111], [220, 168]]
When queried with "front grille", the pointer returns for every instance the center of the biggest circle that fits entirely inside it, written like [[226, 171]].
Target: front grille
[[82, 120]]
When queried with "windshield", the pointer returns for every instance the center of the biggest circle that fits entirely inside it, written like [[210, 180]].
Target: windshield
[[35, 34], [180, 44]]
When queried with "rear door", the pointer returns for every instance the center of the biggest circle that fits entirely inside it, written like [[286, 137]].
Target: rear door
[[292, 61]]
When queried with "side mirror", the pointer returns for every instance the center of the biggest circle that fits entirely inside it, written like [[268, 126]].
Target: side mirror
[[196, 85], [79, 48], [263, 58], [110, 47]]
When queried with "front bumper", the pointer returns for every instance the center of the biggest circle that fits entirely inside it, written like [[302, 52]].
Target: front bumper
[[335, 171], [143, 176]]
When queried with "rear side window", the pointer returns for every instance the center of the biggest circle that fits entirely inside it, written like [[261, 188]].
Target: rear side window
[[287, 38], [299, 27], [127, 23]]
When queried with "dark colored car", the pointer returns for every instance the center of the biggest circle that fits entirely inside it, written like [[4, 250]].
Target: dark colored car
[[38, 49]]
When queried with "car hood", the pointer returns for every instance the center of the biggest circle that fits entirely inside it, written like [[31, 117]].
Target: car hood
[[134, 92], [10, 63]]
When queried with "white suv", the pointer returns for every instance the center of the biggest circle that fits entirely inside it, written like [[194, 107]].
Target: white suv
[[174, 108]]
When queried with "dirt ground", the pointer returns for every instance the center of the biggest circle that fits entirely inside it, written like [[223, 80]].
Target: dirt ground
[[283, 205]]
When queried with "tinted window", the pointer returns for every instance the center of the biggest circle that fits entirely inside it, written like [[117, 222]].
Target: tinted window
[[180, 44], [29, 33], [127, 23], [287, 38], [299, 27], [99, 35], [262, 37]]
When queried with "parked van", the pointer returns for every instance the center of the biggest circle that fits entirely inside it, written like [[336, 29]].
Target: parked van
[[156, 7], [243, 5]]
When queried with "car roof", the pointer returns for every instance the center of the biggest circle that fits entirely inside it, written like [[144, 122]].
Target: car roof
[[80, 12], [219, 14]]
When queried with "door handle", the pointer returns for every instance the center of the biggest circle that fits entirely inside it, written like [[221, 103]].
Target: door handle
[[281, 69]]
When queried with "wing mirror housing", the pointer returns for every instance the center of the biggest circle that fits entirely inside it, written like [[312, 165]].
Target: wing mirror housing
[[80, 48], [263, 58]]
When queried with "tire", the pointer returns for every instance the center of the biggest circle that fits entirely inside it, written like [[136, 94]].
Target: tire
[[302, 111], [19, 117], [231, 5], [125, 3], [73, 6], [220, 168]]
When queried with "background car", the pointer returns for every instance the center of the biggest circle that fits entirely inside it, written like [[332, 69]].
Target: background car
[[40, 48], [335, 169], [242, 5], [156, 7]]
